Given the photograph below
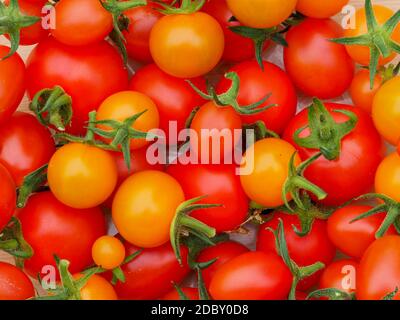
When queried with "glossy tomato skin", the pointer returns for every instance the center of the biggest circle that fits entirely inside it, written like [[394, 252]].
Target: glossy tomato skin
[[256, 84], [352, 174], [25, 145], [191, 293], [306, 250], [387, 179], [53, 228], [379, 270], [340, 275], [12, 83], [89, 74], [320, 9], [156, 266], [252, 276], [312, 61], [97, 288], [221, 185], [7, 196], [14, 284]]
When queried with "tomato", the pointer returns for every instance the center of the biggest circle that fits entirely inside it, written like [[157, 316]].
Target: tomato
[[191, 293], [144, 206], [7, 197], [256, 84], [174, 97], [340, 275], [74, 178], [14, 284], [25, 145], [51, 227], [361, 92], [125, 104], [354, 238], [97, 288], [223, 252], [352, 174], [268, 161], [108, 252], [12, 83], [89, 74], [320, 9], [386, 111], [312, 61], [152, 274], [178, 40], [305, 250], [252, 13], [361, 54], [221, 185], [387, 179], [252, 276], [81, 22], [379, 270]]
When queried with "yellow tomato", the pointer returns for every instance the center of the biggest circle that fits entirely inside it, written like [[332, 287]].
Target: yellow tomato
[[97, 288], [387, 178], [108, 252], [320, 9]]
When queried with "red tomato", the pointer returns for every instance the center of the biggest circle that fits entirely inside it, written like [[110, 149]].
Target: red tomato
[[152, 274], [223, 252], [221, 185], [191, 293], [252, 276], [25, 145], [14, 284], [12, 83], [306, 250], [51, 227], [256, 84], [340, 275], [312, 61], [7, 196], [89, 74], [352, 174]]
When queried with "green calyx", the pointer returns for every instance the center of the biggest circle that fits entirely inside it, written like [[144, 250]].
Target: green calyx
[[391, 295], [32, 183], [325, 134], [229, 98], [378, 38], [260, 132], [52, 107], [331, 294], [186, 7], [11, 23]]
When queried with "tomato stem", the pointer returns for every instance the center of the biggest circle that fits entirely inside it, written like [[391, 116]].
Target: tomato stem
[[186, 7], [331, 294], [32, 182]]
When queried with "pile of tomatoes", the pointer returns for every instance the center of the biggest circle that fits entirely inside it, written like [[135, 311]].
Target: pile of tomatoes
[[322, 193]]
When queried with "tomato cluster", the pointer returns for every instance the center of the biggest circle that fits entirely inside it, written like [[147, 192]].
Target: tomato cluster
[[157, 134]]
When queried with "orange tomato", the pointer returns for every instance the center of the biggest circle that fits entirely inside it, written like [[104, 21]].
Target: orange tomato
[[108, 252], [97, 288], [387, 178], [361, 92], [320, 9]]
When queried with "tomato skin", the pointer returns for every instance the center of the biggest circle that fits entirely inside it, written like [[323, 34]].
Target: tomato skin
[[387, 179], [12, 80], [223, 252], [252, 276], [89, 74], [108, 252], [8, 197], [97, 288], [256, 84], [221, 185], [314, 73], [340, 275], [201, 39], [379, 270], [51, 227], [306, 250], [352, 174], [191, 293], [320, 10], [17, 138], [156, 266], [14, 284]]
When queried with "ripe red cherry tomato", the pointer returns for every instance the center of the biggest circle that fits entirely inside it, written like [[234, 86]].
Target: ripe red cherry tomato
[[25, 145], [51, 227], [89, 74], [256, 84], [352, 174], [312, 61], [14, 284], [7, 196], [191, 293], [340, 275]]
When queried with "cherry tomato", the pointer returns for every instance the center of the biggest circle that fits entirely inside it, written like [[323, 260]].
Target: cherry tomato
[[252, 276], [108, 252], [51, 227], [312, 61], [387, 179], [267, 165], [221, 185], [96, 288], [252, 13], [7, 196], [191, 293], [144, 206], [379, 270], [340, 275], [14, 284], [25, 145], [352, 174], [256, 84], [320, 9], [89, 74], [12, 83], [386, 111], [306, 250], [178, 40]]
